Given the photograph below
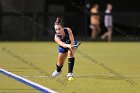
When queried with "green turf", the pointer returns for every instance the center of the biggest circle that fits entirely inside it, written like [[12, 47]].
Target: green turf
[[91, 77]]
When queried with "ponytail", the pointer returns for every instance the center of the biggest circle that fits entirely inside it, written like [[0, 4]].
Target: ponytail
[[59, 21]]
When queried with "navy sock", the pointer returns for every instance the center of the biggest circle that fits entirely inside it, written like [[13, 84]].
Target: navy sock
[[58, 68], [70, 64]]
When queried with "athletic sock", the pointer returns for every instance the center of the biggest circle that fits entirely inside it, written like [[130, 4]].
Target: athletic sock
[[70, 64], [58, 68]]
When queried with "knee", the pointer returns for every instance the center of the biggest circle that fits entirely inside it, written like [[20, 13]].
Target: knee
[[71, 54]]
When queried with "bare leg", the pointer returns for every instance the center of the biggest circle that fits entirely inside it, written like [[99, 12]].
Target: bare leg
[[109, 34], [98, 29], [104, 35], [61, 58], [59, 65], [94, 33]]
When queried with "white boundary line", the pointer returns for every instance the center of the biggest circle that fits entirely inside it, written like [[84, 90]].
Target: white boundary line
[[27, 82]]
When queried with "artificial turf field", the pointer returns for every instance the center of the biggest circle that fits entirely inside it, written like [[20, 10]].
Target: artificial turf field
[[35, 61]]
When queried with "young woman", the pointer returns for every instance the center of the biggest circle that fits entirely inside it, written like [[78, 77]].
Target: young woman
[[108, 21], [95, 21], [65, 39]]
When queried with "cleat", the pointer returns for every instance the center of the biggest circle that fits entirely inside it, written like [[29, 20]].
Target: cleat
[[69, 75], [55, 73]]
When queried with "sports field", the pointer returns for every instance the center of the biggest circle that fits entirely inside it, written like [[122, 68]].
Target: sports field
[[100, 67]]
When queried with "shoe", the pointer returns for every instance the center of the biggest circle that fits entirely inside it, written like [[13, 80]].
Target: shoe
[[55, 73], [102, 37], [69, 75]]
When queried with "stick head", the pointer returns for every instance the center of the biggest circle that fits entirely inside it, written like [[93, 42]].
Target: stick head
[[76, 45]]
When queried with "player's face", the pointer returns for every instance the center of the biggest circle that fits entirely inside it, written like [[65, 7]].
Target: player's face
[[59, 29], [109, 6], [97, 6]]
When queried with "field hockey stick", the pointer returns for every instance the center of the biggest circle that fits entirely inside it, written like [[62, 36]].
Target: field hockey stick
[[76, 45]]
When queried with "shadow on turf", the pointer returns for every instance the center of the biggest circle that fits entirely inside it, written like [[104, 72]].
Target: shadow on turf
[[63, 82], [100, 77], [110, 70]]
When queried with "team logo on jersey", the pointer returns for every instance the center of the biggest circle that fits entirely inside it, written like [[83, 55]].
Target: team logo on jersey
[[68, 42]]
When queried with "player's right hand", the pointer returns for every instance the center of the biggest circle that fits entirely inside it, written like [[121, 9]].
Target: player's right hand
[[69, 46]]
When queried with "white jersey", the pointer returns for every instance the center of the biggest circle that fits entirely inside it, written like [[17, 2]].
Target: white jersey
[[108, 21]]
